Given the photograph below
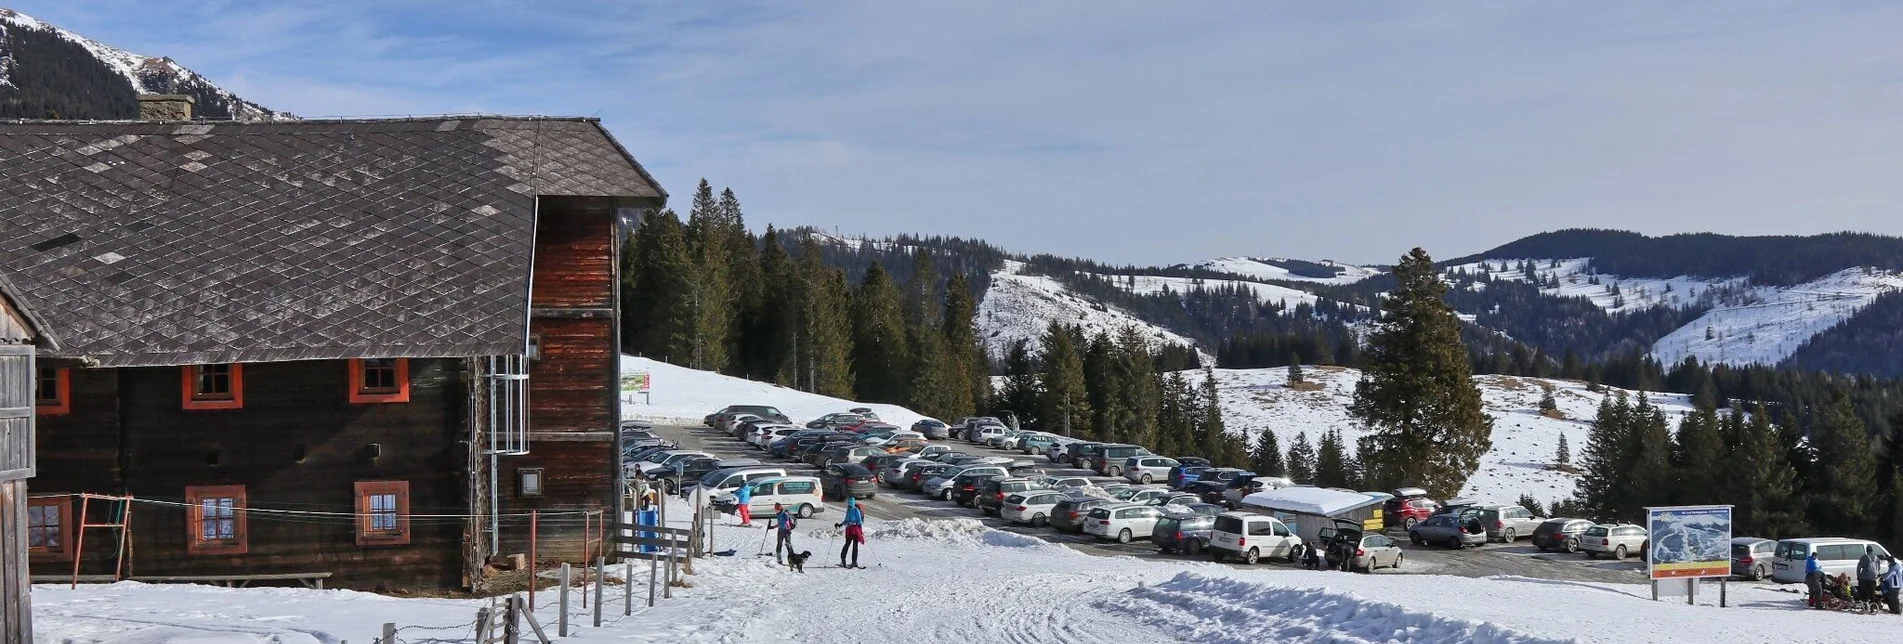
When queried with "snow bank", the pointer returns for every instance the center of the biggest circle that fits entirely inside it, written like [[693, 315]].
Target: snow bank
[[685, 395], [1223, 610]]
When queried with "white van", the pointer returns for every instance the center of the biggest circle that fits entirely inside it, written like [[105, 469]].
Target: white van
[[1837, 555], [799, 494], [1253, 537], [725, 481]]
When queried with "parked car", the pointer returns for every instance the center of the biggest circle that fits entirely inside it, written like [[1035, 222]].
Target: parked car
[[798, 494], [1253, 537], [965, 477], [834, 421], [1080, 454], [841, 479], [865, 411], [1449, 530], [961, 428], [1174, 499], [1007, 440], [1122, 522], [1134, 494], [1211, 483], [1036, 443], [631, 456], [1751, 557], [726, 480], [1063, 482], [1560, 534], [1069, 514], [1179, 531], [1063, 450], [1033, 507], [741, 429], [1369, 551], [981, 434], [932, 429], [1407, 503], [917, 477], [654, 463], [1837, 555], [1147, 469], [1108, 460], [1187, 469], [931, 451], [1241, 487], [1507, 523], [1206, 509], [879, 463], [763, 411], [992, 492], [1617, 540]]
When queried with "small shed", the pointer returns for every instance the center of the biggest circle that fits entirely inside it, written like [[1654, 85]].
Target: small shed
[[1307, 510]]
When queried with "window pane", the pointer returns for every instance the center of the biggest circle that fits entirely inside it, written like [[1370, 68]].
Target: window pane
[[46, 386], [379, 374], [214, 381]]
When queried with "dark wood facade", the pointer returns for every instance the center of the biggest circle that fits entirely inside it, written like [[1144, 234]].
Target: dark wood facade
[[18, 339]]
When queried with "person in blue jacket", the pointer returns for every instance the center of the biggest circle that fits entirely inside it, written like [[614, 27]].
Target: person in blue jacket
[[1814, 579], [742, 498], [855, 532], [784, 522]]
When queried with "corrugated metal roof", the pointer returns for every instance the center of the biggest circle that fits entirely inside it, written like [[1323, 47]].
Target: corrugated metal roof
[[205, 242]]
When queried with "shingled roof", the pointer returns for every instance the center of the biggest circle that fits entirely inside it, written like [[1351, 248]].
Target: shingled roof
[[165, 243]]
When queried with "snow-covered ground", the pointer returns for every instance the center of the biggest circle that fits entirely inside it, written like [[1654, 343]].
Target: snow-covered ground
[[1747, 324], [1525, 442], [682, 394], [1266, 268], [1146, 284], [958, 581], [1020, 306]]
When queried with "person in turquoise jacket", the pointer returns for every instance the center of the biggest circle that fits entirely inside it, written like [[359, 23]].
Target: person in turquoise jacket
[[855, 532], [742, 499]]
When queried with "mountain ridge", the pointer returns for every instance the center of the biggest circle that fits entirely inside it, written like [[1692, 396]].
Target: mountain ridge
[[50, 72]]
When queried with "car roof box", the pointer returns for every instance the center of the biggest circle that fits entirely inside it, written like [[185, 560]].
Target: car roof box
[[1408, 492]]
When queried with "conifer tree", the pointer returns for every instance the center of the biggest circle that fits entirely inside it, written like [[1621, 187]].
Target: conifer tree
[[1020, 392], [1295, 370], [1701, 478], [655, 308], [1217, 442], [1651, 476], [961, 339], [1331, 461], [1103, 384], [773, 329], [1547, 402], [747, 348], [1843, 480], [1417, 394], [1565, 456], [825, 328], [936, 389], [880, 355], [1135, 421], [1764, 483], [1301, 459], [710, 297], [1175, 426], [1602, 490], [1065, 405], [1266, 458]]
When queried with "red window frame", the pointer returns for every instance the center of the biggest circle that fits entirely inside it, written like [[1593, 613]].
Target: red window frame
[[369, 534], [359, 394], [62, 400], [64, 550], [196, 401], [195, 541]]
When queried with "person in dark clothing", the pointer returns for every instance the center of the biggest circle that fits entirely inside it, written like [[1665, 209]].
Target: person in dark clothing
[[784, 522], [1893, 581], [1867, 575], [855, 532], [1814, 580]]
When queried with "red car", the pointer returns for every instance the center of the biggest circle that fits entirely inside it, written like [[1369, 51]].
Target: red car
[[1409, 506]]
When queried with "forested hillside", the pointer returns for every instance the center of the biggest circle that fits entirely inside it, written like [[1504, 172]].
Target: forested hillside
[[50, 73], [1782, 260]]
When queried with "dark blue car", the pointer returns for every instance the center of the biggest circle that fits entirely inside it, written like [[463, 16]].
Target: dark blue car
[[1187, 469]]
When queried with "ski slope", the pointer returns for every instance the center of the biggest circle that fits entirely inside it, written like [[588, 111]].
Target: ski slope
[[681, 394], [957, 582], [1289, 298], [1265, 268], [1020, 306]]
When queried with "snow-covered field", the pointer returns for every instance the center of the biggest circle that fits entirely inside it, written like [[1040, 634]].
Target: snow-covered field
[[1146, 284], [1525, 442], [686, 395], [957, 581], [1264, 268], [1020, 306], [1747, 324]]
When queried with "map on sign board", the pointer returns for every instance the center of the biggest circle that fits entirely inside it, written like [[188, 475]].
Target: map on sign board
[[1689, 541], [635, 383]]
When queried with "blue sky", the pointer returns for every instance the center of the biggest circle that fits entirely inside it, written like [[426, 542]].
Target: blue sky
[[1138, 132]]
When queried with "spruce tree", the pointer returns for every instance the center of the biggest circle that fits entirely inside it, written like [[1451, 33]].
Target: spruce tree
[[710, 298], [1295, 370], [1301, 459], [1701, 478], [1565, 455], [656, 309], [880, 355], [1103, 384], [1135, 421], [824, 352], [1547, 402], [1331, 461], [1065, 405], [1416, 393], [1266, 458], [1651, 477], [1175, 426], [1020, 393], [1602, 489], [747, 348], [961, 340], [1217, 443], [1843, 480], [1764, 483], [773, 331]]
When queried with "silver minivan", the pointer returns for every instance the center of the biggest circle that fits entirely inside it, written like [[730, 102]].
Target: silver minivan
[[1147, 469], [1837, 555]]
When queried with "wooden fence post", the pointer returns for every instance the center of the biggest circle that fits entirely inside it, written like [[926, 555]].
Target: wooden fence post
[[511, 627], [534, 527], [627, 588], [654, 574], [601, 570], [561, 623], [389, 633]]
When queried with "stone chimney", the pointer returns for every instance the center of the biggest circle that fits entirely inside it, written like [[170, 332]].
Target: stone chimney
[[165, 107]]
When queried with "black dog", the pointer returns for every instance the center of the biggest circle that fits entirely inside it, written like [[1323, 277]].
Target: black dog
[[797, 561]]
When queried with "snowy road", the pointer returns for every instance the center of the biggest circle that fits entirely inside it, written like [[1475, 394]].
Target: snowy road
[[1519, 559]]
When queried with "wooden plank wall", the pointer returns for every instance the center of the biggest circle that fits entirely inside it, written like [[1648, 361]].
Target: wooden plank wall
[[297, 443], [16, 600]]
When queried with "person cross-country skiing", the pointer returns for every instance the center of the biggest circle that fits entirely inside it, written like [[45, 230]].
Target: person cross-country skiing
[[742, 498], [855, 532], [784, 522]]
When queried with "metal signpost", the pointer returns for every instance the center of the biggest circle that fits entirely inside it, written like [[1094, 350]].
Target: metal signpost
[[1690, 543]]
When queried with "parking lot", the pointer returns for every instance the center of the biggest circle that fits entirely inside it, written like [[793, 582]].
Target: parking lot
[[1518, 559]]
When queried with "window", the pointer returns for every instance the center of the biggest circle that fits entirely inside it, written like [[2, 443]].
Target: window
[[383, 513], [796, 487], [1261, 529], [379, 380], [52, 391], [49, 535], [528, 482], [215, 520], [214, 386]]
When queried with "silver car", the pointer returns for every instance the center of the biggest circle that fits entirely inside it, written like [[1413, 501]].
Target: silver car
[[1147, 469], [1451, 530], [1617, 540], [1033, 507]]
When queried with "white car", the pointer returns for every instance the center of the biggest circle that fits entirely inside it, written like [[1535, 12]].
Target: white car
[[900, 469], [1252, 537], [798, 494], [982, 433], [764, 435], [1063, 482], [894, 439], [1032, 507], [1122, 522], [1146, 469], [661, 461], [1133, 494]]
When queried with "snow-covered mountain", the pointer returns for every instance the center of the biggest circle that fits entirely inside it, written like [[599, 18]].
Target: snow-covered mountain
[[143, 74], [1282, 268], [1021, 306], [1744, 323]]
